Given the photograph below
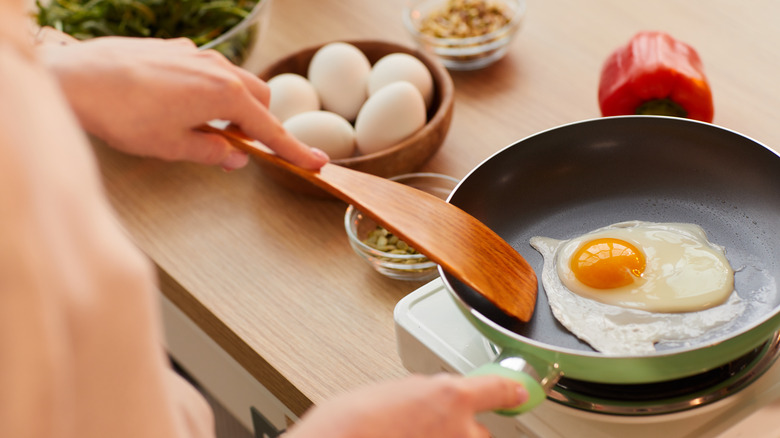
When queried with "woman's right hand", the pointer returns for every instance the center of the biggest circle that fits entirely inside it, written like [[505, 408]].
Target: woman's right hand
[[443, 405]]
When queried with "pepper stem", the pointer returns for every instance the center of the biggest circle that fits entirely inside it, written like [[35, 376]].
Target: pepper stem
[[662, 107]]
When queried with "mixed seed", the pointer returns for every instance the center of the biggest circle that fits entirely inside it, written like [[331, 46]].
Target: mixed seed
[[383, 240], [466, 18]]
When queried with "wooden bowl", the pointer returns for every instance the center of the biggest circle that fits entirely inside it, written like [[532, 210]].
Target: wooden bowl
[[404, 157]]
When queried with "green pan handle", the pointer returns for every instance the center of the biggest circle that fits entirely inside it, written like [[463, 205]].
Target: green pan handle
[[523, 372]]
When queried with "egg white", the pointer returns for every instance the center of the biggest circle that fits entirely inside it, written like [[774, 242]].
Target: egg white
[[615, 330], [683, 271]]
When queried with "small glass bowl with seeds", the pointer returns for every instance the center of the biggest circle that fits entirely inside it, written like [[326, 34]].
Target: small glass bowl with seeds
[[383, 250], [464, 34]]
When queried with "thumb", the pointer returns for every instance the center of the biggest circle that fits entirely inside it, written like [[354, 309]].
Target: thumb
[[491, 393]]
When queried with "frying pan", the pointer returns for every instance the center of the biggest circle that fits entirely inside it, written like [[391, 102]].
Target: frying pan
[[582, 176]]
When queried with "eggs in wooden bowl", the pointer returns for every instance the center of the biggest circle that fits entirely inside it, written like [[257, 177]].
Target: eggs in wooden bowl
[[373, 92]]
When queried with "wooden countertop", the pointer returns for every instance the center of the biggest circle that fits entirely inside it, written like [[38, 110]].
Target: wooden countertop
[[269, 274]]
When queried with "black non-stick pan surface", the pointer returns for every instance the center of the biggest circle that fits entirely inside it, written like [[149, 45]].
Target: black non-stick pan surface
[[573, 179]]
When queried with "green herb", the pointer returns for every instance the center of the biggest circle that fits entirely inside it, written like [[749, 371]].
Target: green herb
[[199, 20]]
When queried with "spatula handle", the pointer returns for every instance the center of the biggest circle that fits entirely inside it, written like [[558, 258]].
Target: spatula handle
[[242, 142]]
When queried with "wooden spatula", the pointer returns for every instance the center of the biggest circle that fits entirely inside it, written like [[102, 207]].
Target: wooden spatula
[[458, 242]]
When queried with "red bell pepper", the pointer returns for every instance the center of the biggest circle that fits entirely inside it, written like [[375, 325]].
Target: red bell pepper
[[655, 74]]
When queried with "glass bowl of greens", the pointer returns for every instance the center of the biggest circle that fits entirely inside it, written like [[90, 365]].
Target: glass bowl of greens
[[384, 251], [232, 27]]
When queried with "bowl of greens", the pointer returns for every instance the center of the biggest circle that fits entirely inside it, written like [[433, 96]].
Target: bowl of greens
[[232, 27]]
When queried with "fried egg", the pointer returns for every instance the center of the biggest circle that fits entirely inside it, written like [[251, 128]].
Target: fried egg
[[627, 286]]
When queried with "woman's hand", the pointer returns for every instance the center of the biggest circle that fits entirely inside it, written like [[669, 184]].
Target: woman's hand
[[416, 407], [148, 96]]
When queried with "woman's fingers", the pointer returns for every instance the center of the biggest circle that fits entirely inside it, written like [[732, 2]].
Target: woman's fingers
[[211, 149], [490, 393], [260, 124]]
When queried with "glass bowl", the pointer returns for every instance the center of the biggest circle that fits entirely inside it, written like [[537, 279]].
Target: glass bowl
[[229, 27], [400, 265], [463, 52], [240, 44]]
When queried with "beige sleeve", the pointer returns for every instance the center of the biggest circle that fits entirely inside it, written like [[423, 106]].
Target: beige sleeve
[[80, 331]]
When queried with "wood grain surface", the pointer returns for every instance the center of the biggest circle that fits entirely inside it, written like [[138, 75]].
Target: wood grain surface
[[269, 274]]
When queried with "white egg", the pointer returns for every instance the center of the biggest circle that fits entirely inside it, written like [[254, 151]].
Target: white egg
[[628, 286], [401, 67], [389, 116], [291, 94], [323, 130], [339, 72]]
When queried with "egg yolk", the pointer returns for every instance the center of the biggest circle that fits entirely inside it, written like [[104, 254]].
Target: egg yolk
[[607, 263]]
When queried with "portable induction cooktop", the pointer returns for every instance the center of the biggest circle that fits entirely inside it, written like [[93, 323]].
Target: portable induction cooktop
[[739, 399]]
